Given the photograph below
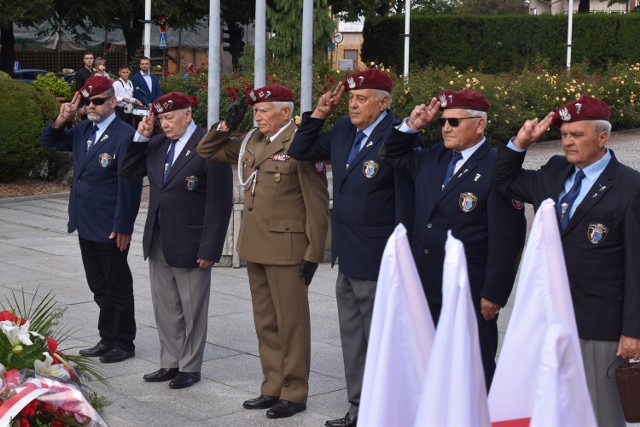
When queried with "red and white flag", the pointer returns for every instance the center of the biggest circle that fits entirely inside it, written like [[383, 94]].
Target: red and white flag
[[454, 391], [540, 379], [399, 342]]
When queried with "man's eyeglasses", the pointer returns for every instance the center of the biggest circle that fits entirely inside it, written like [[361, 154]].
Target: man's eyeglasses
[[97, 101], [454, 122]]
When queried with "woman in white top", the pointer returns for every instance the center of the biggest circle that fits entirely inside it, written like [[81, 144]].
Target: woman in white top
[[124, 94]]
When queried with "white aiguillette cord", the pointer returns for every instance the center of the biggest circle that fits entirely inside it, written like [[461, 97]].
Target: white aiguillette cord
[[254, 175]]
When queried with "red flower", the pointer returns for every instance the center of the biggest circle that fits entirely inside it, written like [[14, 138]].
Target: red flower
[[194, 101], [30, 409], [236, 89], [24, 422], [192, 68], [229, 88], [7, 315], [53, 347], [166, 73], [274, 80], [57, 423], [325, 88], [327, 76], [234, 96]]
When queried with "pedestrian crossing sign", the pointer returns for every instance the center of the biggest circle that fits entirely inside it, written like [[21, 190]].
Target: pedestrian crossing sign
[[163, 41]]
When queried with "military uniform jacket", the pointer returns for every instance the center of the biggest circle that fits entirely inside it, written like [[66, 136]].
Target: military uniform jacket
[[195, 201], [491, 226], [100, 200], [286, 208], [601, 242], [369, 199]]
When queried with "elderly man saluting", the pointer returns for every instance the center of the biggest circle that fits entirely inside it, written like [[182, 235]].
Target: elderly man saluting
[[598, 205], [189, 209], [282, 237]]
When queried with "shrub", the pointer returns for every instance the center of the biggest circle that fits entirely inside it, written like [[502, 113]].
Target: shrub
[[25, 110], [57, 86]]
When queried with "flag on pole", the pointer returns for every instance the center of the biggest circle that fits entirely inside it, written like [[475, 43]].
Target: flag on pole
[[399, 342], [454, 391], [540, 379]]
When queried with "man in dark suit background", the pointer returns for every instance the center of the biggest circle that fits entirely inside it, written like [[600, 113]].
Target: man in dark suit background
[[146, 86], [598, 204], [189, 209], [454, 192], [369, 200], [102, 207]]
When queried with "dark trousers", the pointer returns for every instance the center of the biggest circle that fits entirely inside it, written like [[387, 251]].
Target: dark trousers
[[110, 280], [487, 335]]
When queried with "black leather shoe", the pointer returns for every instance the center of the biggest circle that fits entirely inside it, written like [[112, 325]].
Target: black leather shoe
[[285, 408], [346, 421], [95, 351], [116, 355], [162, 374], [185, 379], [260, 402]]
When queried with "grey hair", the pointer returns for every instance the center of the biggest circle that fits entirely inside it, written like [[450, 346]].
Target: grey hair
[[476, 113], [602, 126], [284, 104], [379, 93], [99, 60]]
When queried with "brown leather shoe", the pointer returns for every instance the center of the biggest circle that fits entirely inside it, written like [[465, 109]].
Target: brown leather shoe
[[346, 421]]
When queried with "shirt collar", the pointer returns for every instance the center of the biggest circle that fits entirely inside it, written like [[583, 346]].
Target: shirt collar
[[593, 171]]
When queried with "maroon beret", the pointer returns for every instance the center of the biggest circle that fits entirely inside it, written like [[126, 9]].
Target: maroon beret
[[368, 79], [172, 101], [465, 99], [95, 86], [270, 93], [584, 108]]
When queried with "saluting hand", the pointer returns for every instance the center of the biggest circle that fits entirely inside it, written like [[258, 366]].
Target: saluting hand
[[422, 114], [145, 127], [531, 131], [328, 102], [68, 110]]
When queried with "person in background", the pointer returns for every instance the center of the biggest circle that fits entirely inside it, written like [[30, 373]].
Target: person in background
[[369, 199], [598, 205], [282, 238], [103, 207], [123, 88], [146, 86], [189, 210], [86, 71], [453, 191], [100, 66]]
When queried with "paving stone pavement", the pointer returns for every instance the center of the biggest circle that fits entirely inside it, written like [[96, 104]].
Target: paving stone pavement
[[36, 253]]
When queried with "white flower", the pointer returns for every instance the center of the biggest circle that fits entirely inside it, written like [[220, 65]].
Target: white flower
[[48, 368], [17, 334]]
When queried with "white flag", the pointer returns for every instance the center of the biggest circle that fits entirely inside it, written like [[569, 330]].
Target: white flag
[[454, 391], [399, 342], [540, 375]]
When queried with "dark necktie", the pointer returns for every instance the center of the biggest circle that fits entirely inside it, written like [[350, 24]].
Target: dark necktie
[[92, 138], [168, 162], [565, 204], [455, 157], [357, 141]]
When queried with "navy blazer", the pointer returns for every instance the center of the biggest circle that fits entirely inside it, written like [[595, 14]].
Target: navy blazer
[[100, 200], [491, 226], [140, 85], [195, 202], [601, 242], [369, 199]]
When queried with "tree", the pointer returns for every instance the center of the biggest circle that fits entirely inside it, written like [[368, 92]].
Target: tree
[[284, 19], [491, 7], [25, 14], [432, 7]]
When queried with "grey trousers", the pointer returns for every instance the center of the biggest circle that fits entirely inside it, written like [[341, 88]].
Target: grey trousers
[[597, 356], [355, 307], [180, 303]]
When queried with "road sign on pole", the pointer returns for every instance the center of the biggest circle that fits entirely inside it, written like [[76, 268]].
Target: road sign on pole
[[337, 38], [163, 41]]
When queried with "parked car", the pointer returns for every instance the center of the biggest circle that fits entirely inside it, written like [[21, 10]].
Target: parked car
[[28, 74]]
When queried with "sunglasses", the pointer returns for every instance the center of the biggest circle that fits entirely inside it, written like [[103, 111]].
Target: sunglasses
[[454, 122], [97, 101]]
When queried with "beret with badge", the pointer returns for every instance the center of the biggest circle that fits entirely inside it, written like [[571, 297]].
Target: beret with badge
[[465, 99], [95, 86], [270, 93], [368, 79], [584, 108], [172, 101]]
